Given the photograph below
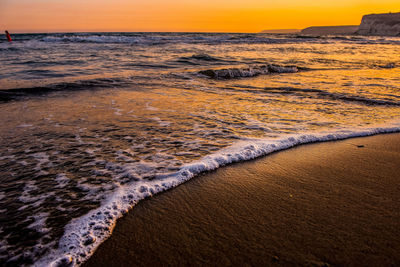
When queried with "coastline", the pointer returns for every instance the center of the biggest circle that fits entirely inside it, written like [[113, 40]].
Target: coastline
[[86, 137], [330, 203]]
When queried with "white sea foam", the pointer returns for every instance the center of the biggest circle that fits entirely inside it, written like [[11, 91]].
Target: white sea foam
[[41, 157], [62, 180], [3, 248], [7, 157], [84, 234], [118, 111], [23, 163], [148, 107], [161, 122], [25, 197], [39, 223]]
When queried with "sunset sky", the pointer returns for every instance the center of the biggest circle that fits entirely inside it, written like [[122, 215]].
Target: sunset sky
[[183, 15]]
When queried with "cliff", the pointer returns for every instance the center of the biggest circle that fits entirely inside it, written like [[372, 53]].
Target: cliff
[[334, 30], [380, 24]]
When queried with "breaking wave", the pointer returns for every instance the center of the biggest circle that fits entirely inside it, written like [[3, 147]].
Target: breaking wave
[[232, 73], [83, 235]]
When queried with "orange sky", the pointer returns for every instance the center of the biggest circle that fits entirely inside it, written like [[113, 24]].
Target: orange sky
[[183, 15]]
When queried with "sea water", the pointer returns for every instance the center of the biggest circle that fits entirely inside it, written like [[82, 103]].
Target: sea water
[[91, 123]]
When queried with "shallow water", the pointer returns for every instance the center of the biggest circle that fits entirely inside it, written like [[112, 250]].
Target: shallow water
[[92, 123]]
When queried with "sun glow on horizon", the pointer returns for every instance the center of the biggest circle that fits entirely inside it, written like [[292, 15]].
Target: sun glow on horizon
[[181, 15]]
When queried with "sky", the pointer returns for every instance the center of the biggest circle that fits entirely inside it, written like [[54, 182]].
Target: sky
[[183, 15]]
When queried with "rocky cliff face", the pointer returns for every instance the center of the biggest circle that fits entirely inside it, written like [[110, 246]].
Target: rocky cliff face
[[380, 24]]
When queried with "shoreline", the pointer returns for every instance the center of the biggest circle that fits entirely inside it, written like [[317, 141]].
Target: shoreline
[[157, 231]]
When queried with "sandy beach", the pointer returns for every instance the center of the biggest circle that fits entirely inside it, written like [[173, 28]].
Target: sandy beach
[[334, 203]]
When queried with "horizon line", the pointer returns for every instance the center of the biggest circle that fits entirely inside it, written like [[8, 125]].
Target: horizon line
[[127, 31]]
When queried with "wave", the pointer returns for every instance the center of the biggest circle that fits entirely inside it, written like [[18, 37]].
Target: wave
[[232, 73], [17, 93], [47, 63], [29, 41], [359, 99], [92, 39], [198, 59], [187, 38], [333, 96], [157, 39], [203, 57], [83, 235], [391, 65]]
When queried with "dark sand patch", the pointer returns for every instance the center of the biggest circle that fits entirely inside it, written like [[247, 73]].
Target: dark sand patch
[[335, 203]]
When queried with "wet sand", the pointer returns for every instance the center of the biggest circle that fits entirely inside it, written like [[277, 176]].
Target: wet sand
[[335, 203]]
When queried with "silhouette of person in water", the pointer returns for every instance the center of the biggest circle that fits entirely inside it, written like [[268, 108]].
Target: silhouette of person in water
[[8, 36]]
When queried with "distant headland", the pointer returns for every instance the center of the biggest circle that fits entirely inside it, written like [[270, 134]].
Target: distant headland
[[334, 30], [387, 24]]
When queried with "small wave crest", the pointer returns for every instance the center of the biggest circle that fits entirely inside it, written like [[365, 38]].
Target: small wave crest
[[91, 39], [232, 73], [333, 96], [388, 66], [198, 59], [13, 94], [203, 57]]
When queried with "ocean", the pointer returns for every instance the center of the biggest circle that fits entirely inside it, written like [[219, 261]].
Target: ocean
[[94, 122]]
